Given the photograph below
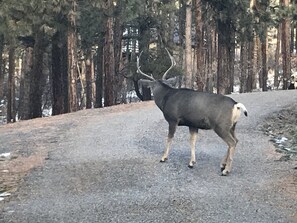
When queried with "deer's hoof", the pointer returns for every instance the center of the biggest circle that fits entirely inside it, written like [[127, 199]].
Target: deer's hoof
[[163, 160], [223, 167], [225, 173], [191, 164]]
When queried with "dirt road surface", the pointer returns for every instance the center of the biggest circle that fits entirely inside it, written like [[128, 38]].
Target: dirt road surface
[[102, 165]]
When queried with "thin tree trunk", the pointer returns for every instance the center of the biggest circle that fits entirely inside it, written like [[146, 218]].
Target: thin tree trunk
[[243, 66], [72, 59], [256, 60], [249, 84], [276, 58], [1, 66], [188, 47], [11, 86], [99, 76], [264, 64], [89, 78]]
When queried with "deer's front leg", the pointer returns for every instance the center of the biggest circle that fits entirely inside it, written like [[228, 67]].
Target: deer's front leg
[[172, 129], [193, 139]]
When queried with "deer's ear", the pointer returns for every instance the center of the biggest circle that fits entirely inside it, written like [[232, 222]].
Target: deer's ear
[[146, 83], [171, 81]]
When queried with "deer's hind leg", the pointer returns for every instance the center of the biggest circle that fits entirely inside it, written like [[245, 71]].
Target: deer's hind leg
[[171, 131], [229, 137]]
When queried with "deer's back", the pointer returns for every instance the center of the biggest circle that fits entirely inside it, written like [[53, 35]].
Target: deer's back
[[197, 109]]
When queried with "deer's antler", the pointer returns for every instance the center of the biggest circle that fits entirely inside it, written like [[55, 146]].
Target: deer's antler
[[140, 71], [173, 63]]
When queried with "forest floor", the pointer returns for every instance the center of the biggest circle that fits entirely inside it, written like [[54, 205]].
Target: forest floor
[[101, 165]]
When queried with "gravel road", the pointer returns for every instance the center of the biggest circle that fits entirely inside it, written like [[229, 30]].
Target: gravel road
[[103, 166]]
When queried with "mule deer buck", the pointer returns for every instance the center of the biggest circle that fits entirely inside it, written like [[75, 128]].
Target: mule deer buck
[[197, 110]]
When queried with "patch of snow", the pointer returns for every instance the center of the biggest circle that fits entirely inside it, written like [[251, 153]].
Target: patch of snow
[[5, 194], [5, 155], [281, 140]]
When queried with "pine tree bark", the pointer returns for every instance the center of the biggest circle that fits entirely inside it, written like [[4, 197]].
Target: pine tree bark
[[286, 48], [249, 84], [224, 57], [89, 78], [276, 58], [99, 76], [109, 64], [72, 59], [200, 74], [38, 80], [188, 46], [57, 74], [11, 116], [256, 60], [1, 67], [25, 85], [243, 67], [264, 64]]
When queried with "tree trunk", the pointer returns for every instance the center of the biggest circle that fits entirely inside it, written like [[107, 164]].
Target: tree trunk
[[109, 64], [89, 78], [243, 66], [255, 61], [38, 80], [1, 67], [11, 86], [224, 57], [264, 64], [25, 86], [118, 34], [99, 76], [286, 48], [200, 77], [188, 47], [57, 75], [249, 84], [72, 59], [276, 58]]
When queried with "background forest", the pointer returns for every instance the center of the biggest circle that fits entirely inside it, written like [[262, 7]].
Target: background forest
[[60, 56]]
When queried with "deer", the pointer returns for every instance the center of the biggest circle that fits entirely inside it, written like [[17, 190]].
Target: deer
[[196, 110]]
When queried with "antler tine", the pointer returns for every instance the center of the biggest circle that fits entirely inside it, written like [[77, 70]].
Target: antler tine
[[173, 63], [140, 71]]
